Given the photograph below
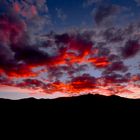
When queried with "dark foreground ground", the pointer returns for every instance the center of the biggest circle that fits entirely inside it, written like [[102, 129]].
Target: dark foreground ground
[[96, 111]]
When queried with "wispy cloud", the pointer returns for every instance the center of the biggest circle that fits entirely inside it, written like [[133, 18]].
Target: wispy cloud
[[60, 14]]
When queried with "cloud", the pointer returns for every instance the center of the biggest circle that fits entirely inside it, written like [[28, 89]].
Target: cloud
[[138, 2], [83, 82], [104, 12], [132, 47], [113, 35], [116, 66], [34, 12], [67, 62], [60, 14]]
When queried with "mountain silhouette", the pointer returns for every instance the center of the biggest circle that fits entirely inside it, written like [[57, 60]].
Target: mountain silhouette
[[85, 103]]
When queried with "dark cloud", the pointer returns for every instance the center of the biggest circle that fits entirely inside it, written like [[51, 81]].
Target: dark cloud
[[115, 78], [32, 55], [113, 35], [130, 49], [105, 11], [63, 38], [103, 51], [113, 57], [116, 66]]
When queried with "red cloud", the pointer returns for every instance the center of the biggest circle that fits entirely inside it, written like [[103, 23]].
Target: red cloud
[[21, 71], [12, 30], [16, 7], [33, 10], [99, 62], [60, 64]]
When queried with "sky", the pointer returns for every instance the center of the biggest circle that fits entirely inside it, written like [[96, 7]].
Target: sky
[[65, 48]]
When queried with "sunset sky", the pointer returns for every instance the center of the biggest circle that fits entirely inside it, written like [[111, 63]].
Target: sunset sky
[[64, 48]]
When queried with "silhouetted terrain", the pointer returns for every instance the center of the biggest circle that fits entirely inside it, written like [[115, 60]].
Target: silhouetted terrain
[[85, 103], [88, 112]]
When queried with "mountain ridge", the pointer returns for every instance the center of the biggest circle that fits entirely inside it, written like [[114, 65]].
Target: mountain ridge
[[88, 101]]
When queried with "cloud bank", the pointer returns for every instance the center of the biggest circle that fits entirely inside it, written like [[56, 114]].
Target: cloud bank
[[95, 61]]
